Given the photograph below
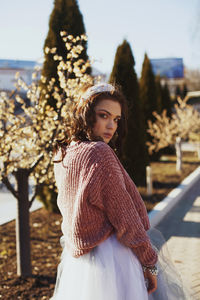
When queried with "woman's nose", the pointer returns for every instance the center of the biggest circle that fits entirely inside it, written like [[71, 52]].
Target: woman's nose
[[111, 124]]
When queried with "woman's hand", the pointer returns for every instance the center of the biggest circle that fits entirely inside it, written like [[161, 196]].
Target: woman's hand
[[152, 281]]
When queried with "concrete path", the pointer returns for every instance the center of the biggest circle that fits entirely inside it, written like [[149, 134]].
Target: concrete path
[[181, 229]]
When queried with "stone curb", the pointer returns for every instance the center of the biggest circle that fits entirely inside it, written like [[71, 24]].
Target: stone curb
[[161, 209]]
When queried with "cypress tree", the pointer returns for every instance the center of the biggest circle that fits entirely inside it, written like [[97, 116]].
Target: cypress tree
[[148, 95], [167, 104], [185, 90], [163, 97], [166, 100], [159, 95], [135, 153], [178, 92], [65, 16]]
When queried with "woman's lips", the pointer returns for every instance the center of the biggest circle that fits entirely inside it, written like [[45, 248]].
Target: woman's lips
[[107, 135]]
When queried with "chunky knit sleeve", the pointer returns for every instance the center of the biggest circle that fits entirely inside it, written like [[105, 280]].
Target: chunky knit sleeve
[[108, 192]]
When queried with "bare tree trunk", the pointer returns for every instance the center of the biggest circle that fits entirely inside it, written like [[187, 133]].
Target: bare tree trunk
[[178, 154], [22, 225]]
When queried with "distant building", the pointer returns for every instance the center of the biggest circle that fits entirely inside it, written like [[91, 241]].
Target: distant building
[[171, 68], [171, 71], [8, 69]]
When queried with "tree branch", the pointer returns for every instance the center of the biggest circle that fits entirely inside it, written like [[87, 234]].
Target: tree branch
[[10, 187], [34, 195], [35, 164]]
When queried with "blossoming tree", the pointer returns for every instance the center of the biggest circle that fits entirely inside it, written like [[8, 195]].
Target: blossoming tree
[[183, 124], [27, 139]]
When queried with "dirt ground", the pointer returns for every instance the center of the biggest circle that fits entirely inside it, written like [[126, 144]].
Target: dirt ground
[[45, 253], [45, 235]]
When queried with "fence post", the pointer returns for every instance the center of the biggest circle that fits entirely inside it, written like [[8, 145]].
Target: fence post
[[149, 180], [198, 150], [178, 154]]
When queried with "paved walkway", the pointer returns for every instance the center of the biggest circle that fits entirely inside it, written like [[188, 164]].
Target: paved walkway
[[181, 229]]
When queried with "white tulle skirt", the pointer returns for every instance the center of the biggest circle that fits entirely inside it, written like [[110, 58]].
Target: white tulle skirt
[[111, 271], [108, 272]]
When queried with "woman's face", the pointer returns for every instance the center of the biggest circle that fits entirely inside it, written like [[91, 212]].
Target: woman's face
[[108, 113]]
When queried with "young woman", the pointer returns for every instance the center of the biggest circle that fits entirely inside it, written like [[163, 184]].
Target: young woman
[[107, 254]]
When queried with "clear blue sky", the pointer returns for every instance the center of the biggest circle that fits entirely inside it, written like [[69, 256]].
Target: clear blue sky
[[162, 28]]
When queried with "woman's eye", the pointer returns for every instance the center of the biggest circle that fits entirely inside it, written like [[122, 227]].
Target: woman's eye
[[103, 116], [117, 120]]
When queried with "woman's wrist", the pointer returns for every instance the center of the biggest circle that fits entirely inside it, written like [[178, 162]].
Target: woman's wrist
[[152, 270]]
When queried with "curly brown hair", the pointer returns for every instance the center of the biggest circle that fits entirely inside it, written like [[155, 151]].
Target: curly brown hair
[[84, 118]]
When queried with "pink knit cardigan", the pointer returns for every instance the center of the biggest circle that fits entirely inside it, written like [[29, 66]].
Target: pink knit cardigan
[[97, 198]]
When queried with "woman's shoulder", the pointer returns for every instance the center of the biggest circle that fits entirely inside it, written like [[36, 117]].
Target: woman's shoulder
[[89, 146], [102, 154], [92, 150], [100, 148]]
